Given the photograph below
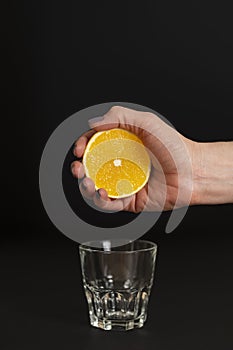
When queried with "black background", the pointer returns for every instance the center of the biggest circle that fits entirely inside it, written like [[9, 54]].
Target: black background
[[59, 57]]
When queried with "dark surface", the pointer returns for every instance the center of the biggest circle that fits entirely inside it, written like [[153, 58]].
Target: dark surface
[[43, 304], [59, 57]]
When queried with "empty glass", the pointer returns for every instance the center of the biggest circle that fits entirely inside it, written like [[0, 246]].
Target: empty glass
[[117, 282]]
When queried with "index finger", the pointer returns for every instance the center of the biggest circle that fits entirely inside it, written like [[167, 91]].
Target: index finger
[[80, 144]]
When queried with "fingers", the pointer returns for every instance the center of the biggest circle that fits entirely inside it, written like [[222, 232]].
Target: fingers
[[87, 188], [80, 144], [77, 169], [119, 117], [102, 201], [100, 197]]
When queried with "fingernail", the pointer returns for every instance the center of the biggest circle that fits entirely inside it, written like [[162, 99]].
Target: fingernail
[[98, 194], [95, 120]]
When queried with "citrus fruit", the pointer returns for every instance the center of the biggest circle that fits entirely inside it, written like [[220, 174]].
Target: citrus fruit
[[117, 161]]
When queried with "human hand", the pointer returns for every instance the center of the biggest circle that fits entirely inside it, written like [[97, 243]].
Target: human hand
[[170, 184]]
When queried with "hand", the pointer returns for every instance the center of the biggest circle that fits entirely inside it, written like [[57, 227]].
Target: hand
[[183, 172], [170, 150]]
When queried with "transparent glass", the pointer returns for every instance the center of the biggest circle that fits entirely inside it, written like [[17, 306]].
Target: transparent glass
[[117, 282]]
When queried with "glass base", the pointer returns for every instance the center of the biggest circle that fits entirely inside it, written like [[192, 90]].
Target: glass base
[[118, 325], [117, 310]]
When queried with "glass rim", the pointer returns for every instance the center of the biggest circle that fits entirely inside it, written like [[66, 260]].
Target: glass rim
[[85, 247]]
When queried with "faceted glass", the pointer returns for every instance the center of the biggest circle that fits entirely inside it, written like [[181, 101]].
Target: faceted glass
[[117, 282]]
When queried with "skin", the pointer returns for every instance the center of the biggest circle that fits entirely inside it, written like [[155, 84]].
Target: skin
[[184, 172]]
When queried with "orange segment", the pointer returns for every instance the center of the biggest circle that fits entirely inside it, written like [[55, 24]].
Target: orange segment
[[117, 161]]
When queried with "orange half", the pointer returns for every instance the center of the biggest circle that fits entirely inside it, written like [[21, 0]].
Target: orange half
[[117, 161]]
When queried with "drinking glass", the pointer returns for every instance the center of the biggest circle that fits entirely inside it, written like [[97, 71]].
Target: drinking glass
[[117, 282]]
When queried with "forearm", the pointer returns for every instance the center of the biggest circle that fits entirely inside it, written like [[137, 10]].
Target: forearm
[[213, 173]]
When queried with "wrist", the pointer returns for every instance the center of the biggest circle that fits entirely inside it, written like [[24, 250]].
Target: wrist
[[212, 173]]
